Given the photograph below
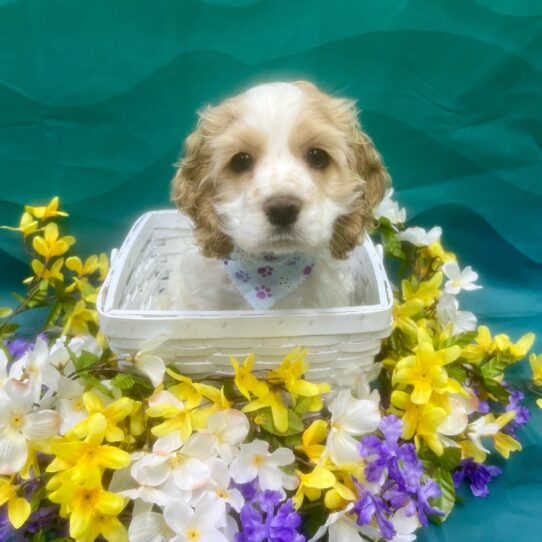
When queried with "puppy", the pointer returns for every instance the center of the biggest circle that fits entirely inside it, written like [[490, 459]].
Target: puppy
[[280, 183]]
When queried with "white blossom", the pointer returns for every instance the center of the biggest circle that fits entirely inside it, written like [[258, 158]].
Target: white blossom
[[389, 208], [420, 237], [459, 279], [448, 312]]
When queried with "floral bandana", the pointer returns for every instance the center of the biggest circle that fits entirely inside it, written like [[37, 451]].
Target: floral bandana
[[264, 279]]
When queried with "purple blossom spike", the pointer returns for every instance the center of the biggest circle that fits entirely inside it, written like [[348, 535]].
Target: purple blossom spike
[[478, 474]]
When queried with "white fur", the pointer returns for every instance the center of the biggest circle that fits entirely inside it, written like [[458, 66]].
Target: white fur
[[202, 284]]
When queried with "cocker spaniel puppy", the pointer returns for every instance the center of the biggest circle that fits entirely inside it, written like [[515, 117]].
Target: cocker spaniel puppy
[[280, 183]]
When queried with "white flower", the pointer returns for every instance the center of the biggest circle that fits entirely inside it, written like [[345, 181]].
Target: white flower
[[420, 237], [388, 208], [19, 425], [150, 527], [482, 427], [228, 428], [36, 364], [457, 420], [149, 363], [404, 526], [69, 403], [254, 460], [340, 528], [349, 417], [196, 525], [184, 467], [219, 486], [459, 280], [448, 312]]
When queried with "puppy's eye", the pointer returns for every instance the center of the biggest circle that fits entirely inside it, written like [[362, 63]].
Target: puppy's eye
[[318, 158], [241, 162]]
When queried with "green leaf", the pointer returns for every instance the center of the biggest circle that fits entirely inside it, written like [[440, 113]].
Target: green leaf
[[8, 329], [450, 458], [123, 381], [84, 360], [5, 312], [496, 389], [446, 501], [494, 366], [295, 424], [52, 317], [93, 382], [303, 405], [457, 372]]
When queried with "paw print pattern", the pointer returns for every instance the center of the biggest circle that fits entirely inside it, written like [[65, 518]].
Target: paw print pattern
[[242, 276], [262, 292], [265, 271], [308, 269]]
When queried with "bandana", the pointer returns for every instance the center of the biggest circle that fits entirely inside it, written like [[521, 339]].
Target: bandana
[[264, 279]]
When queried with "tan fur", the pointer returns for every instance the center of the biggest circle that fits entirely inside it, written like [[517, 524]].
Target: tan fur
[[195, 188]]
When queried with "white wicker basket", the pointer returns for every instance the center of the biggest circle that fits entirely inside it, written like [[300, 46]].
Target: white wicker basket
[[201, 343]]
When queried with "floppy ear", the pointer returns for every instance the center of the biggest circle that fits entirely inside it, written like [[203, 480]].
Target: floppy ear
[[372, 180], [193, 190]]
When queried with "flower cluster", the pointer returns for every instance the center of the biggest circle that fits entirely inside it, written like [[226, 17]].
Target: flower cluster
[[93, 446]]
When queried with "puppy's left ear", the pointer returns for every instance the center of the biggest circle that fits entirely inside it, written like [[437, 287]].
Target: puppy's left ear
[[371, 179]]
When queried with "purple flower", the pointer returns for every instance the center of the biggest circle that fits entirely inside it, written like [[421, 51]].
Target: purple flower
[[261, 520], [248, 490], [522, 412], [395, 468], [18, 347], [370, 505], [478, 474]]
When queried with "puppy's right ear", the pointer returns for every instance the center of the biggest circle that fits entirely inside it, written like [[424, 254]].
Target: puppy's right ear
[[193, 191]]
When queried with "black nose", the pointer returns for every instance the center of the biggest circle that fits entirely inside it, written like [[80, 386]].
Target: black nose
[[282, 210]]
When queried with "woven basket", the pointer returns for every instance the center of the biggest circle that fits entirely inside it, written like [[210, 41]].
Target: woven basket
[[200, 343]]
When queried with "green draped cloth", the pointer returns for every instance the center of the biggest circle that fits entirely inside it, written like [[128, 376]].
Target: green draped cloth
[[96, 98]]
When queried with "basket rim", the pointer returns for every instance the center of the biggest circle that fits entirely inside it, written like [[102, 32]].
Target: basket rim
[[104, 302]]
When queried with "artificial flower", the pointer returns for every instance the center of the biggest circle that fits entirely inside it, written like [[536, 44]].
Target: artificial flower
[[448, 313], [245, 381], [459, 279], [27, 225], [424, 370], [484, 346], [50, 245], [349, 418], [228, 428], [420, 237], [48, 211], [46, 273], [272, 400], [426, 291], [18, 507], [21, 424], [255, 460], [389, 208], [312, 483], [536, 368], [477, 474], [518, 350]]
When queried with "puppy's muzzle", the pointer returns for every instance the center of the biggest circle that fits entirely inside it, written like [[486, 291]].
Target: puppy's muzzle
[[282, 211]]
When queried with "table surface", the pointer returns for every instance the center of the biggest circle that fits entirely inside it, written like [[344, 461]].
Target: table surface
[[95, 102]]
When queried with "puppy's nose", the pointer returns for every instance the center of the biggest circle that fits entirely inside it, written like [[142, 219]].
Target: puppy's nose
[[282, 210]]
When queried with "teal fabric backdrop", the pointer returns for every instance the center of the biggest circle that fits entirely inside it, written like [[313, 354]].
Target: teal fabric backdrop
[[96, 98]]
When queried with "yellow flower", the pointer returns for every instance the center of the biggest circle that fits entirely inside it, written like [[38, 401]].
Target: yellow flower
[[42, 272], [78, 320], [27, 225], [402, 316], [89, 293], [50, 245], [88, 458], [164, 404], [74, 263], [103, 266], [290, 371], [536, 368], [312, 438], [420, 421], [112, 413], [92, 510], [49, 211], [18, 508], [427, 291], [425, 370], [484, 346], [436, 252], [516, 351], [245, 381], [312, 483], [505, 444], [279, 412]]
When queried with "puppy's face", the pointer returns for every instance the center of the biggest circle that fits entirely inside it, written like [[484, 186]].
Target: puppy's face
[[282, 167]]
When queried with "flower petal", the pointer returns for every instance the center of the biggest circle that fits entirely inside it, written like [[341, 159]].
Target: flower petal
[[41, 425], [13, 452]]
